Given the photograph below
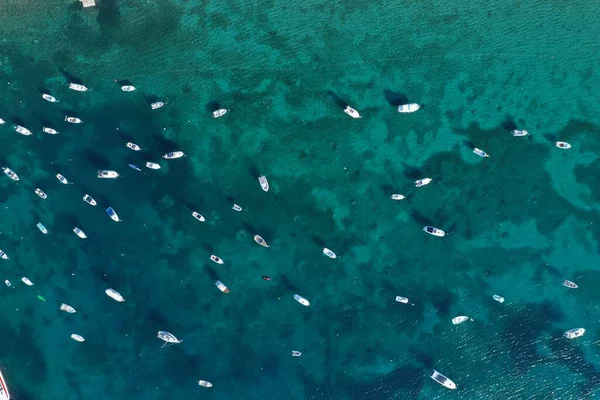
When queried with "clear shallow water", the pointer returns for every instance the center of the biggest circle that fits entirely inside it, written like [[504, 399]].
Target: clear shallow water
[[521, 221]]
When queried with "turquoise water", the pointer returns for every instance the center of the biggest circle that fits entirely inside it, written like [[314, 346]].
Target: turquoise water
[[519, 221]]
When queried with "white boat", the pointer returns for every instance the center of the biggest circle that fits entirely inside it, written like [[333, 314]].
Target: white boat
[[112, 214], [236, 207], [2, 121], [77, 87], [206, 384], [49, 131], [517, 132], [296, 353], [152, 165], [434, 231], [3, 255], [574, 333], [173, 155], [563, 145], [41, 193], [569, 284], [73, 120], [264, 184], [301, 300], [168, 337], [42, 228], [49, 98], [4, 394], [26, 281], [107, 174], [133, 166], [459, 320], [442, 380], [62, 179], [258, 239], [67, 308], [219, 113], [423, 182], [352, 112], [156, 105], [403, 300], [329, 253], [397, 197], [216, 259], [133, 146], [112, 293], [10, 173], [89, 199], [79, 233], [408, 108], [22, 130], [77, 338], [498, 298], [222, 287], [480, 152], [198, 216], [127, 88]]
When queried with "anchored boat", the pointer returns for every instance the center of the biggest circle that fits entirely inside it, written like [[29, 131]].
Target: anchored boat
[[518, 132], [112, 293], [112, 214], [133, 146], [258, 239], [156, 105], [168, 337], [480, 152], [206, 384], [152, 165], [563, 145], [198, 216], [49, 131], [352, 112], [216, 259], [107, 174], [434, 231], [62, 179], [41, 193], [10, 173], [127, 88], [423, 182], [219, 113], [89, 199], [79, 233], [574, 333], [42, 228], [67, 308], [49, 98], [222, 287], [408, 108], [329, 253], [173, 155], [264, 184], [3, 255], [73, 120], [22, 130], [397, 197], [442, 380], [301, 300], [77, 338], [77, 87], [460, 319]]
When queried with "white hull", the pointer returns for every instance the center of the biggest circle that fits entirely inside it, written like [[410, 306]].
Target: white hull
[[517, 132], [216, 259], [352, 112], [42, 228], [152, 165], [221, 287], [173, 155], [198, 216], [22, 130], [264, 183], [258, 239], [79, 233], [112, 214], [498, 298], [397, 197], [329, 253], [50, 131], [67, 308], [563, 145], [2, 121], [10, 173], [133, 146], [3, 255], [574, 333], [219, 113], [77, 338], [480, 152], [49, 98], [569, 284], [206, 384], [442, 380], [62, 179], [127, 88], [89, 199], [112, 293], [408, 108], [423, 182], [434, 231], [26, 281], [236, 207], [107, 174], [77, 87], [41, 193], [157, 105], [168, 337], [73, 120], [459, 320], [301, 300], [401, 299]]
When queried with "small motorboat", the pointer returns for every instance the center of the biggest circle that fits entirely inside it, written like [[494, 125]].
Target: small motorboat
[[397, 197], [49, 98], [442, 380], [67, 308], [112, 293], [41, 193], [264, 184], [301, 300], [62, 179], [296, 353], [127, 88], [216, 259], [258, 239], [221, 287], [152, 165], [112, 214], [498, 298], [79, 233], [266, 278], [2, 121], [42, 228], [10, 173], [434, 231], [133, 166], [219, 113], [198, 216], [236, 207], [133, 146], [168, 337], [574, 333], [517, 132], [173, 155], [408, 108], [156, 105], [3, 255], [22, 130], [26, 281], [77, 87], [49, 131], [107, 174], [460, 319], [89, 199], [403, 300], [423, 182], [7, 283], [352, 112], [206, 384], [480, 152], [329, 253], [569, 284], [563, 145], [77, 338], [73, 120]]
